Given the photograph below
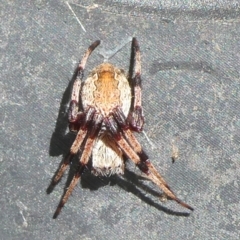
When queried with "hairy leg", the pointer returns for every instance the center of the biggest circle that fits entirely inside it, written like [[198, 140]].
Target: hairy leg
[[132, 141], [135, 116], [74, 116], [92, 134], [146, 167], [57, 176], [134, 152]]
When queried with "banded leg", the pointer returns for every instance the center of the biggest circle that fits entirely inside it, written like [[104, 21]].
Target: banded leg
[[143, 156], [56, 178], [135, 117], [147, 168], [133, 142], [83, 161], [73, 113], [97, 122], [66, 195], [88, 118], [142, 161]]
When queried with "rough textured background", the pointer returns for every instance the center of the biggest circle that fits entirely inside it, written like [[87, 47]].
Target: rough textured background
[[191, 62]]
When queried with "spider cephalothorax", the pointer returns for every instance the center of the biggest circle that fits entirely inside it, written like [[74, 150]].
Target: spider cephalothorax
[[105, 121]]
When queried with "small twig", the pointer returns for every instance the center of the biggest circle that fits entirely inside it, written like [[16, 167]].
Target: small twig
[[150, 142], [76, 17], [107, 54]]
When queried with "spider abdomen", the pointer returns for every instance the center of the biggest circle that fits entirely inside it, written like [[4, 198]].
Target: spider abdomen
[[105, 89], [107, 157]]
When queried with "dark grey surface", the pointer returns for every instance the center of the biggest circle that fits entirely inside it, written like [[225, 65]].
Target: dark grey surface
[[190, 61]]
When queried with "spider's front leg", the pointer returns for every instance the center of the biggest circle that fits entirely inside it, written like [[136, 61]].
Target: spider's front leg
[[135, 117], [75, 117]]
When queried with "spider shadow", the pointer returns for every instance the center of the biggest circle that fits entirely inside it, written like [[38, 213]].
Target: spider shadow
[[60, 142], [203, 66], [130, 182], [199, 66]]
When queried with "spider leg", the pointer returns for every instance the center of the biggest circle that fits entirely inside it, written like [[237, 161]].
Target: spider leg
[[93, 133], [83, 161], [66, 195], [146, 167], [83, 131], [74, 148], [133, 142], [135, 116], [73, 113], [141, 153], [139, 157], [56, 178]]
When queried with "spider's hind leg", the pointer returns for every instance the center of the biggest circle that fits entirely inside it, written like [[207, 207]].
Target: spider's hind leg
[[87, 119], [57, 176], [83, 161], [132, 148], [147, 167]]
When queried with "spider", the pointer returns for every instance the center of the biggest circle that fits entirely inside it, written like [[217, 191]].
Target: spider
[[104, 111]]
